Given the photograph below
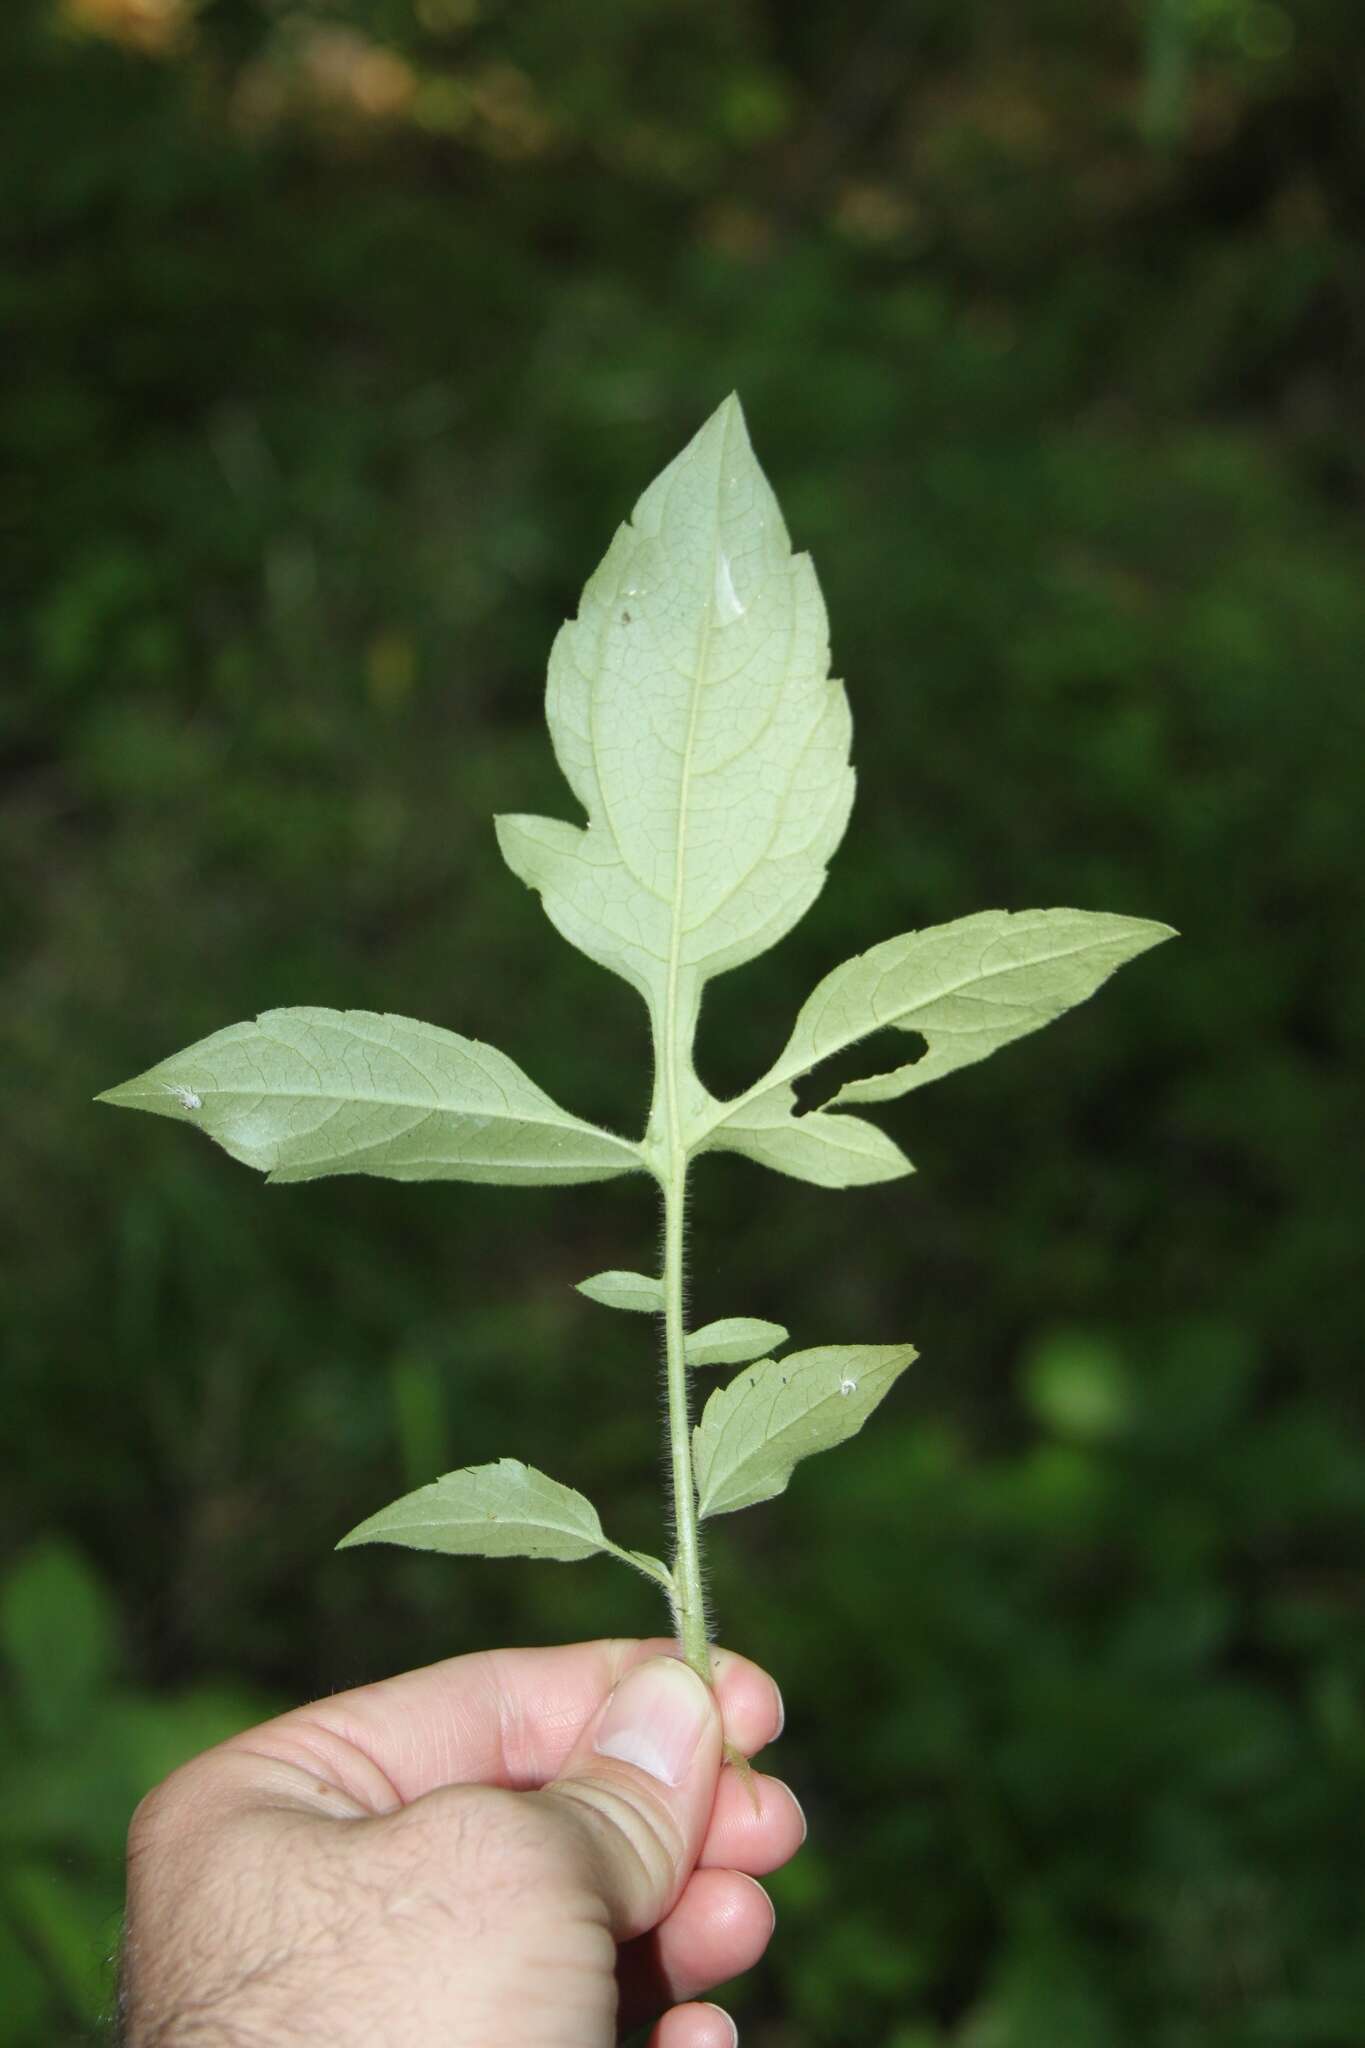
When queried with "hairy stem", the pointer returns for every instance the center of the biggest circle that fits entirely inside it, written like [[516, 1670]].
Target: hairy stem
[[690, 1609]]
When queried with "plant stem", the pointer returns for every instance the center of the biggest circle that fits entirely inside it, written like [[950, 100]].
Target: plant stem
[[690, 1605]]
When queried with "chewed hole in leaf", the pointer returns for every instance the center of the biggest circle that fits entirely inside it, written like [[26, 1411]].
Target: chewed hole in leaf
[[878, 1054]]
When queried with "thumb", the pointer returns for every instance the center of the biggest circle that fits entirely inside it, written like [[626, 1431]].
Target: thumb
[[640, 1785]]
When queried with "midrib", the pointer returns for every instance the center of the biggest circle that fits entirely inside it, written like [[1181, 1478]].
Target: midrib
[[679, 868], [785, 1070]]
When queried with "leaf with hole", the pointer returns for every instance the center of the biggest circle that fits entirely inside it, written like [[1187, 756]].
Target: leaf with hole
[[966, 989]]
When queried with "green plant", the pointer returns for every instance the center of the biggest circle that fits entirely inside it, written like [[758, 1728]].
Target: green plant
[[693, 716]]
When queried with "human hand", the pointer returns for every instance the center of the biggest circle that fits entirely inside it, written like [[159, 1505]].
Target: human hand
[[515, 1849]]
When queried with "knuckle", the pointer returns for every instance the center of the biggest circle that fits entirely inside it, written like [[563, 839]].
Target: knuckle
[[458, 1833], [161, 1812], [629, 1827]]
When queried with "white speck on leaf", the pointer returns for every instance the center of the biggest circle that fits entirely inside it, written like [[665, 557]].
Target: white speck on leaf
[[728, 604], [186, 1097], [848, 1385]]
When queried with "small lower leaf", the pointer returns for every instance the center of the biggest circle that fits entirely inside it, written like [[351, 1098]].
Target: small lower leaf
[[640, 1291], [502, 1510], [733, 1341], [754, 1432]]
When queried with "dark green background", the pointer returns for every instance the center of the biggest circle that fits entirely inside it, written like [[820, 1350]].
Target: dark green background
[[338, 338]]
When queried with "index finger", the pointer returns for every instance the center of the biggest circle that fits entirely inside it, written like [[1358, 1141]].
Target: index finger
[[494, 1717]]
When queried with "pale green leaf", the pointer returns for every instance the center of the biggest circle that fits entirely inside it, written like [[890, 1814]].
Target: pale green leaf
[[965, 988], [832, 1151], [503, 1510], [692, 713], [625, 1290], [303, 1093], [732, 1341], [755, 1431]]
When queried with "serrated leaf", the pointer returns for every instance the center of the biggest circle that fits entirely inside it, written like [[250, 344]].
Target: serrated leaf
[[755, 1431], [966, 988], [639, 1291], [302, 1093], [505, 1509], [732, 1341], [692, 713]]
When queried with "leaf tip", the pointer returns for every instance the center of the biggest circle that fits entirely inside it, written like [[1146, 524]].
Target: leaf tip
[[1145, 933], [1149, 932], [718, 427], [124, 1095]]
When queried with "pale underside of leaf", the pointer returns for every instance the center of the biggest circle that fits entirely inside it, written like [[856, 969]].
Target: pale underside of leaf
[[732, 1341], [755, 1431], [505, 1509], [302, 1093], [965, 988], [641, 1292], [832, 1151], [693, 715]]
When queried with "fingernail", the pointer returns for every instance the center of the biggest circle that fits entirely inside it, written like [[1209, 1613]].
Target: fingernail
[[655, 1719], [805, 1824], [722, 2014], [781, 1711]]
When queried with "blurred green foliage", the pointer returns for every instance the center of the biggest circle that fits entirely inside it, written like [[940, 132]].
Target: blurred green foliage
[[339, 336], [78, 1748]]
